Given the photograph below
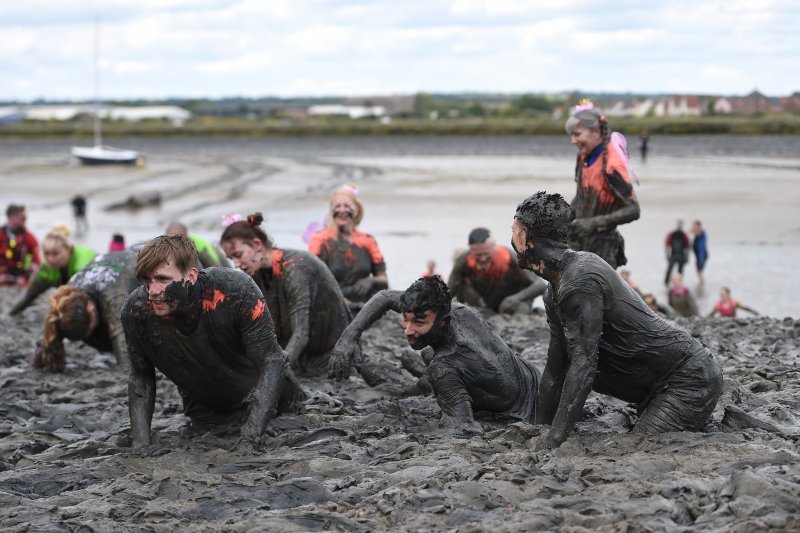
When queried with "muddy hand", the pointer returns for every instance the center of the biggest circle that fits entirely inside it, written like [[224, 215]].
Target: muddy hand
[[509, 305], [582, 227], [342, 358]]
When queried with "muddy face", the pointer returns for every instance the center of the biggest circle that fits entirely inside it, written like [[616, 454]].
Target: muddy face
[[527, 254], [246, 256], [168, 288], [343, 212], [483, 254]]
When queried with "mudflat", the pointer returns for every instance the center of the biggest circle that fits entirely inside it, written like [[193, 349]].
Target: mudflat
[[359, 458]]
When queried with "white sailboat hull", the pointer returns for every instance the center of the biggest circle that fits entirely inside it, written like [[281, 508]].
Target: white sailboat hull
[[105, 155]]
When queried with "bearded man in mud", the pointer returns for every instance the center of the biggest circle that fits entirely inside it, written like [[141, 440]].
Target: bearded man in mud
[[603, 337], [472, 369], [210, 333], [488, 275]]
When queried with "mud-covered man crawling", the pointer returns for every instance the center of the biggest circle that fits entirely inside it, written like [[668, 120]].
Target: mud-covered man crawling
[[472, 369], [603, 337], [210, 333]]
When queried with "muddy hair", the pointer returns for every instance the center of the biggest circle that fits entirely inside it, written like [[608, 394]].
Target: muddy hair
[[545, 216], [59, 232], [592, 119], [176, 248], [427, 293], [68, 319], [246, 230], [479, 236]]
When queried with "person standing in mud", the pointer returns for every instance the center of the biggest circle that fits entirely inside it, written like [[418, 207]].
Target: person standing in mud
[[603, 337], [676, 248], [605, 197], [352, 256], [19, 249], [302, 295], [472, 369], [211, 334], [78, 203], [700, 249], [87, 309], [488, 274], [62, 260], [209, 257]]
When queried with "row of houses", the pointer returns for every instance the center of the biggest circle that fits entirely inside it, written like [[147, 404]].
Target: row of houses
[[696, 105], [170, 113]]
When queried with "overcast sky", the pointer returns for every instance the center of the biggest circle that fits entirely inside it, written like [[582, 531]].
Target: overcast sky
[[215, 48]]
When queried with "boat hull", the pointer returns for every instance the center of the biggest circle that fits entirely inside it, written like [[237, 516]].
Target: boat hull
[[106, 155]]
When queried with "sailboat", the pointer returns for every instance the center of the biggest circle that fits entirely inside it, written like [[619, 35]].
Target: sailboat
[[100, 154]]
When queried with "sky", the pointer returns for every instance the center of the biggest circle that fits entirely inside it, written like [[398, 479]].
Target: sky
[[154, 49]]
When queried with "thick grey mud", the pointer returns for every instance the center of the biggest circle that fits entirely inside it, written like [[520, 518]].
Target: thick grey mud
[[361, 458]]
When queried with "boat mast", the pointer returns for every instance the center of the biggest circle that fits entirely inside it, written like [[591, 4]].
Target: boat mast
[[98, 138]]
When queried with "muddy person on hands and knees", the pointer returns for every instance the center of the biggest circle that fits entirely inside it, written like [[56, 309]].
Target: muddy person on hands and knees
[[603, 337], [472, 369], [210, 333]]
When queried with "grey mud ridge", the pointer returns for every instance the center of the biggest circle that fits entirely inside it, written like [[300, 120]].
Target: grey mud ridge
[[369, 459]]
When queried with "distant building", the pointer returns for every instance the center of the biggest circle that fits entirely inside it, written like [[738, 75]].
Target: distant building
[[722, 106], [352, 111], [393, 105], [174, 114]]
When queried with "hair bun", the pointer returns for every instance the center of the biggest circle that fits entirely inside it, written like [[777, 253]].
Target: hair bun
[[255, 219]]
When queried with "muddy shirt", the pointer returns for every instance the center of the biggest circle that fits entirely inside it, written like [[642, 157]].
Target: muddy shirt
[[480, 373], [638, 350], [682, 302], [349, 261], [221, 361], [306, 304], [601, 193], [109, 279], [503, 278]]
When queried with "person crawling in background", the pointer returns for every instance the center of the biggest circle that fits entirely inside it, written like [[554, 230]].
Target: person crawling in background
[[603, 337], [211, 334], [62, 260], [87, 309], [471, 370], [488, 275]]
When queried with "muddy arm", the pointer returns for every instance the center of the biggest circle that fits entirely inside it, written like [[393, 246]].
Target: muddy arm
[[552, 380], [627, 210], [261, 347], [347, 349], [36, 287], [451, 395], [528, 294], [141, 389], [111, 307], [297, 289], [584, 314]]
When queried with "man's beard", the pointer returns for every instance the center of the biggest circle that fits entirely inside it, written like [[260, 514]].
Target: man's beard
[[433, 338], [528, 258]]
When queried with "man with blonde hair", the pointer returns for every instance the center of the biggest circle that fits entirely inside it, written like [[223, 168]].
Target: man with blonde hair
[[210, 333]]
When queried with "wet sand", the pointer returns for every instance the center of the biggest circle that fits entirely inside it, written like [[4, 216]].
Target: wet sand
[[423, 196], [366, 459]]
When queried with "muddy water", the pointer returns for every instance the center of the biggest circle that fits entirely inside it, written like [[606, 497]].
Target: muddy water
[[366, 459]]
